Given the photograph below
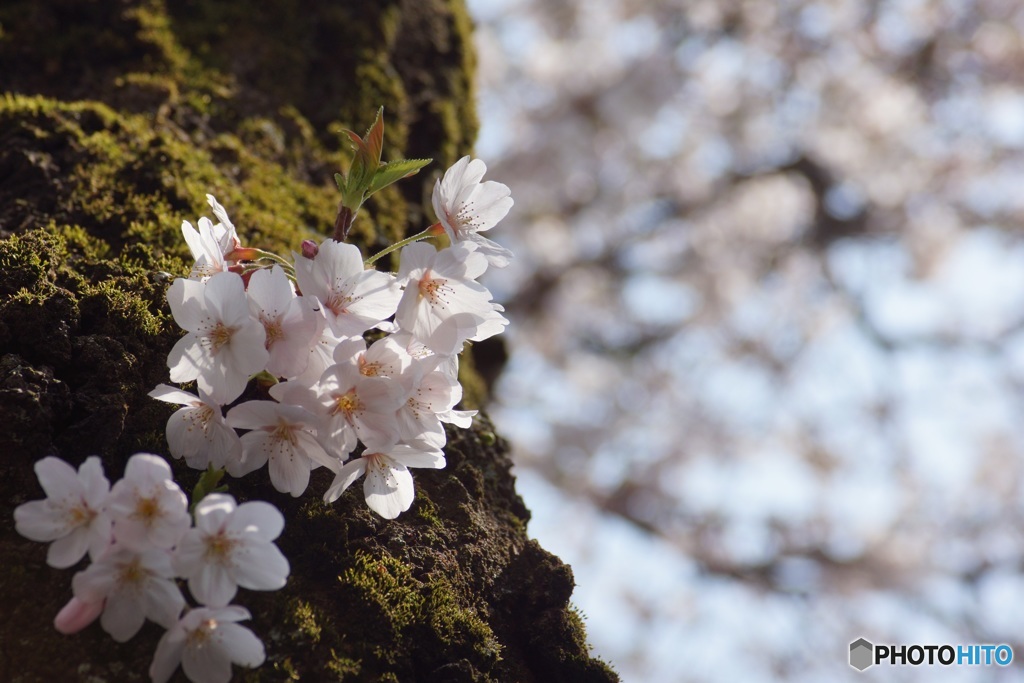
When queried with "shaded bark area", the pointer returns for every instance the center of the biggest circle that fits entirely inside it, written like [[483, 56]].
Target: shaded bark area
[[116, 118]]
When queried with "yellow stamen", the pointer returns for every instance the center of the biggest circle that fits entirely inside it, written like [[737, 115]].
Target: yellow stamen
[[147, 509], [347, 403], [219, 336]]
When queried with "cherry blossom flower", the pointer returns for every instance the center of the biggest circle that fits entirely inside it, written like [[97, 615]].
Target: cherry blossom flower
[[440, 285], [198, 431], [467, 207], [133, 585], [358, 405], [72, 515], [388, 485], [290, 321], [146, 505], [206, 641], [224, 345], [282, 434], [431, 402], [383, 358], [354, 299], [231, 545], [211, 243]]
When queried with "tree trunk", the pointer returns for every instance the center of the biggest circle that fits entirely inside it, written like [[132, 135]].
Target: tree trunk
[[118, 116]]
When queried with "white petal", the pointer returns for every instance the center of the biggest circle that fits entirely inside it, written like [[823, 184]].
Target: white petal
[[189, 553], [206, 664], [289, 469], [96, 486], [261, 567], [164, 602], [412, 457], [242, 646], [415, 257], [257, 518], [388, 489], [220, 213], [100, 535], [255, 451], [230, 613], [58, 479], [145, 467], [213, 511], [346, 476], [459, 418], [185, 435], [68, 550], [192, 239], [342, 260], [167, 655], [376, 295], [39, 520], [225, 298], [253, 414], [123, 616], [169, 394], [496, 255], [187, 302], [95, 583], [213, 585], [187, 359], [270, 292], [314, 452], [224, 443], [490, 203]]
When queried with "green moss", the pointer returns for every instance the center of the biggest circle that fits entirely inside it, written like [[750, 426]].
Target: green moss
[[28, 261], [305, 620], [386, 585], [427, 511], [410, 610], [455, 624], [342, 667]]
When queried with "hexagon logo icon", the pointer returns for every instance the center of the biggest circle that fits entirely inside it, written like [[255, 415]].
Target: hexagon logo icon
[[861, 654]]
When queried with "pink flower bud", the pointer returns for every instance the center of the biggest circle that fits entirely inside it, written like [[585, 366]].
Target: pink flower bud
[[310, 249], [76, 615]]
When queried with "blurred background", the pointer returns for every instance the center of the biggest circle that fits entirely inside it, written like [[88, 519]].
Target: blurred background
[[767, 351]]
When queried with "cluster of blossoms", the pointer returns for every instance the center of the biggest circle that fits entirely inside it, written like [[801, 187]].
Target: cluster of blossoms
[[141, 540], [300, 324], [297, 325]]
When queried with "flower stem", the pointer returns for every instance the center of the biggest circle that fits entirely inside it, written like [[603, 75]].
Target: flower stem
[[273, 257], [429, 232], [346, 216]]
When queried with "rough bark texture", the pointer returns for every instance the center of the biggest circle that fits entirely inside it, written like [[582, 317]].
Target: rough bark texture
[[117, 117]]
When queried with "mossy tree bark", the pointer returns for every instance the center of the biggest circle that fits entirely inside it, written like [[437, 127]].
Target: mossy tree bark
[[117, 117]]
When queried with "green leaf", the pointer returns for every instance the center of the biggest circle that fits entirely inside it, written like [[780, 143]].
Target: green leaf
[[339, 180], [361, 172], [393, 171], [207, 484], [366, 162], [374, 138]]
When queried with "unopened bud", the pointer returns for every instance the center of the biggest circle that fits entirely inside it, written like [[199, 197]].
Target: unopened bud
[[310, 249], [76, 615], [242, 254]]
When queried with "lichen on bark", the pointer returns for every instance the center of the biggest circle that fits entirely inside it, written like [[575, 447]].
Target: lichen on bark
[[116, 118]]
